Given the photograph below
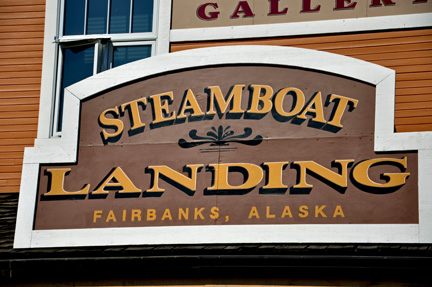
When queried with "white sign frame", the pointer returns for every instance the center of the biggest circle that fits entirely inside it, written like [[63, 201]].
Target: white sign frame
[[64, 150]]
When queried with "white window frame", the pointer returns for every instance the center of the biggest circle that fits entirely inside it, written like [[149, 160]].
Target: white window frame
[[131, 44], [52, 57], [57, 103]]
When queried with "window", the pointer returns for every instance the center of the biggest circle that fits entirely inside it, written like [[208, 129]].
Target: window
[[97, 35]]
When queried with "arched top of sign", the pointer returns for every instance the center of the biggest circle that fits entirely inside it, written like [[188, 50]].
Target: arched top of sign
[[264, 55]]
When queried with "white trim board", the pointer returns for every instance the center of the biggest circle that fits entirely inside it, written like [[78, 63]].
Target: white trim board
[[303, 28], [64, 149]]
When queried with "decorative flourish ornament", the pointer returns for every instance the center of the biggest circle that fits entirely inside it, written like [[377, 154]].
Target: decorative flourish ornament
[[220, 137]]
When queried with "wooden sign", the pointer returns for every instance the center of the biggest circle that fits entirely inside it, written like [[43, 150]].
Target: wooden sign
[[224, 145]]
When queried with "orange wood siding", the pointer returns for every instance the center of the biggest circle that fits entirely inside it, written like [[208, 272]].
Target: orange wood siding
[[408, 52], [21, 44]]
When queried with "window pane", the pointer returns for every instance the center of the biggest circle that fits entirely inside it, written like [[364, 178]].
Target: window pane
[[74, 17], [127, 54], [142, 16], [97, 16], [119, 16], [77, 65]]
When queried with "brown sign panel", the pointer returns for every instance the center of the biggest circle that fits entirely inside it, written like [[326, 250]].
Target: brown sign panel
[[221, 13], [233, 145]]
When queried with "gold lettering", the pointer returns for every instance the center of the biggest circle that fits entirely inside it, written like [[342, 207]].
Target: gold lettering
[[151, 214], [275, 175], [339, 109], [160, 110], [319, 211], [136, 214], [338, 211], [360, 174], [134, 112], [184, 181], [97, 214], [268, 215], [183, 213], [166, 215], [338, 179], [253, 213], [198, 213], [111, 123], [57, 183], [216, 96], [303, 211], [254, 176], [265, 99], [111, 217], [190, 103], [286, 212], [315, 106], [118, 180], [214, 213], [298, 101]]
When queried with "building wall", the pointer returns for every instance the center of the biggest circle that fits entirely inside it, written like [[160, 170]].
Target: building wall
[[408, 52], [21, 42]]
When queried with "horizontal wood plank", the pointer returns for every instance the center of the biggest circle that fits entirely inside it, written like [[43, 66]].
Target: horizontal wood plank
[[21, 28], [11, 155], [418, 121], [18, 135], [410, 113], [23, 41], [10, 142], [18, 121], [19, 101], [21, 55], [391, 63], [25, 22], [9, 169], [12, 128], [19, 35], [414, 84], [413, 106], [18, 81], [10, 162], [22, 75], [413, 69], [19, 61], [19, 108], [13, 148], [22, 15], [9, 189], [10, 175], [414, 98], [25, 114], [20, 48], [19, 94], [17, 88], [417, 128], [8, 69], [413, 76], [21, 8], [21, 2]]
